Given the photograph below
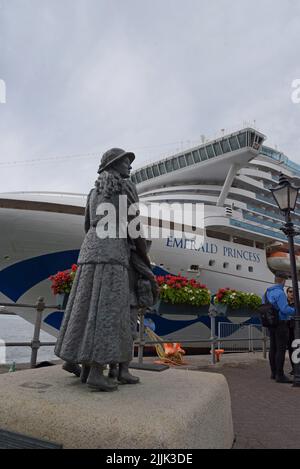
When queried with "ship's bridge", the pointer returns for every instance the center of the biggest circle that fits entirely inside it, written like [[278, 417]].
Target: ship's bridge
[[210, 161]]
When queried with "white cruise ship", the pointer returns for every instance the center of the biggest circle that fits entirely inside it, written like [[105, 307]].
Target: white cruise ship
[[41, 233]]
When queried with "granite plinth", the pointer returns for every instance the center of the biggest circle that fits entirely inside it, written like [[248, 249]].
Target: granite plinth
[[174, 409]]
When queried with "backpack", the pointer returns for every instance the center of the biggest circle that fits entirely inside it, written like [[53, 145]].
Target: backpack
[[269, 315]]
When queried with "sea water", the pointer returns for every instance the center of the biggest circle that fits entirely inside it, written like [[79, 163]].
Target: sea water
[[16, 329]]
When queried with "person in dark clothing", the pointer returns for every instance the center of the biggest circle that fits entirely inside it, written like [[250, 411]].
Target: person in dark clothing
[[279, 335], [290, 300]]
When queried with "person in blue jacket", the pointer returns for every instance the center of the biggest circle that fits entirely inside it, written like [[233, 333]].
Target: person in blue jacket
[[279, 335]]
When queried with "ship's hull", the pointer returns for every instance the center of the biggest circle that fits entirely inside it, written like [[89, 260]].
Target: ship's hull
[[36, 244]]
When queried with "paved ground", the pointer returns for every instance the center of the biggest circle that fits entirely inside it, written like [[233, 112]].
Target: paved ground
[[265, 414], [22, 366]]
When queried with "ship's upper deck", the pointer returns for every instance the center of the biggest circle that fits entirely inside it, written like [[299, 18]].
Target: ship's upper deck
[[231, 176], [199, 163]]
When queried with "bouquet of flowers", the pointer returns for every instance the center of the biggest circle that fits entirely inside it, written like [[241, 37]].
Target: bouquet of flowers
[[171, 353], [181, 290], [62, 281], [235, 299]]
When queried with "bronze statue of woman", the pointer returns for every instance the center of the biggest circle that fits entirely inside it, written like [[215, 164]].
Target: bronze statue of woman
[[97, 326]]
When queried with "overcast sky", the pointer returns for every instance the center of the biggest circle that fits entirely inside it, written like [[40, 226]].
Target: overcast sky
[[146, 75]]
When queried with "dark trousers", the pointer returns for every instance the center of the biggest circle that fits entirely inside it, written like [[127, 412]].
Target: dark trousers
[[290, 341], [279, 337]]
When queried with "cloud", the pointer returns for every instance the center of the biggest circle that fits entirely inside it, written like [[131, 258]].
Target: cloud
[[85, 75]]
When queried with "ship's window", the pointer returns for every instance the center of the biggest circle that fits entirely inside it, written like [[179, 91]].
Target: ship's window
[[194, 267], [143, 175], [225, 146], [252, 137], [155, 170], [260, 140], [250, 269], [244, 241], [211, 263], [138, 177], [242, 139], [218, 235], [169, 166], [238, 267], [162, 168], [182, 162], [175, 163], [149, 173], [189, 158], [218, 149], [210, 151], [234, 143], [259, 245], [256, 144], [225, 265], [203, 154], [196, 156]]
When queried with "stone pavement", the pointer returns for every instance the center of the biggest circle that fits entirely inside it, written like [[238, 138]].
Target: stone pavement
[[266, 414]]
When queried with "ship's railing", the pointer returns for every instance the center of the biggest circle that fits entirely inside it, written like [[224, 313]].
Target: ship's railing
[[40, 306], [35, 343]]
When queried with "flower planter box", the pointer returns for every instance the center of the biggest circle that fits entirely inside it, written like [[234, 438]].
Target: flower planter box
[[181, 309], [225, 310]]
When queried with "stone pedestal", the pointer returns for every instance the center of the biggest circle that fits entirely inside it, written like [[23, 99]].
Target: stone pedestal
[[173, 409]]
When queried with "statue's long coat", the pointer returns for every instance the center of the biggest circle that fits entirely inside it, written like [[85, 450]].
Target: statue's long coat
[[96, 328]]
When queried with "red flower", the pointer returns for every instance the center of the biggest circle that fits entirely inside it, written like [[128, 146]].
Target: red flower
[[62, 281], [160, 279]]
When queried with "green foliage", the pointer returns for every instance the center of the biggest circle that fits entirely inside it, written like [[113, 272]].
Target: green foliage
[[237, 299], [180, 290]]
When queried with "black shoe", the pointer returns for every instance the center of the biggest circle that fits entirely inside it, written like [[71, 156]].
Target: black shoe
[[283, 379], [72, 368], [85, 371], [273, 376]]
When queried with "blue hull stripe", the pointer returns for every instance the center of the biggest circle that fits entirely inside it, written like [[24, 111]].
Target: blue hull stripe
[[163, 326], [54, 319], [18, 278]]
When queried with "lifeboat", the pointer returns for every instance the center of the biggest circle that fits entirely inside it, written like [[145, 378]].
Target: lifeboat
[[280, 260]]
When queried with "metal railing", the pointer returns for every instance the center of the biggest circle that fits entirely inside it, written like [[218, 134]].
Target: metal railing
[[213, 340], [35, 343], [243, 337], [141, 343]]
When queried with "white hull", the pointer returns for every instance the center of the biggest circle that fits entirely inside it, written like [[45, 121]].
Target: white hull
[[35, 245]]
